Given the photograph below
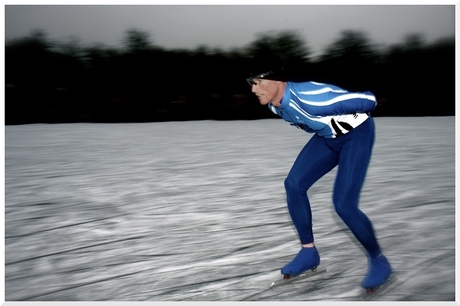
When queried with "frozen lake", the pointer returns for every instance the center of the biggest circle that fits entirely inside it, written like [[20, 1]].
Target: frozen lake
[[195, 211]]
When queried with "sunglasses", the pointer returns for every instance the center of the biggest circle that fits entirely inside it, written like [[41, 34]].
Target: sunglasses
[[259, 76]]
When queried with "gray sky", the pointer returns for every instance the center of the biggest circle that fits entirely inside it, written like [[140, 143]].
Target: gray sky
[[228, 26]]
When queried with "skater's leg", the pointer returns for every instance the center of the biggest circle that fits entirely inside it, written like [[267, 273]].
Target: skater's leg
[[354, 159], [315, 160], [353, 162]]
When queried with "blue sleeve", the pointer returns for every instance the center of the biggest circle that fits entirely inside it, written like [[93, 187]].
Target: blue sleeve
[[338, 103]]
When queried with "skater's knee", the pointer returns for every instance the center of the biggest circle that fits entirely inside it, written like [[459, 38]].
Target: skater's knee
[[292, 185], [345, 205], [346, 212]]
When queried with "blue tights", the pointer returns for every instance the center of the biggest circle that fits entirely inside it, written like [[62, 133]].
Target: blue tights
[[352, 153]]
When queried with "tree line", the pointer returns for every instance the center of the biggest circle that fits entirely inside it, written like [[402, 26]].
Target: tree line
[[62, 82]]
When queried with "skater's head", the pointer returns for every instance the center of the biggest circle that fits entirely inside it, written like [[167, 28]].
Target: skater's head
[[267, 65], [267, 77]]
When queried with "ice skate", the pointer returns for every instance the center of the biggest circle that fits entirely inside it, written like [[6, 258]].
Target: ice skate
[[305, 264], [379, 273], [306, 259]]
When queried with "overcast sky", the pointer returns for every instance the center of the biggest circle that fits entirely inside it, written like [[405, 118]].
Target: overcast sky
[[228, 26]]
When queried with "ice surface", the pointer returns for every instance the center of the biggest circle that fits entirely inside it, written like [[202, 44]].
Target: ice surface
[[195, 211]]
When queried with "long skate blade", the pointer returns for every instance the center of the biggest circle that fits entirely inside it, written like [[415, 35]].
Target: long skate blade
[[293, 278], [371, 294]]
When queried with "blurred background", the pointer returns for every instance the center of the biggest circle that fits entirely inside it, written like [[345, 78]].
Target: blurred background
[[67, 63], [145, 199]]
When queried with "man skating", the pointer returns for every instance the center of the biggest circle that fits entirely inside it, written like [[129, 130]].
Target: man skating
[[344, 135]]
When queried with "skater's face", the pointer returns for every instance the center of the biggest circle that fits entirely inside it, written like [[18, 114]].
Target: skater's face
[[268, 91]]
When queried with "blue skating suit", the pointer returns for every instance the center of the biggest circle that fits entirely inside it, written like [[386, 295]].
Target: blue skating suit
[[324, 109]]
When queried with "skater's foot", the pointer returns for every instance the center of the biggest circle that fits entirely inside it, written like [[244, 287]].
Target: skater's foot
[[306, 259], [378, 274]]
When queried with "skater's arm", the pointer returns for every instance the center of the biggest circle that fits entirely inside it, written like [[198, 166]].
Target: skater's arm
[[327, 100]]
